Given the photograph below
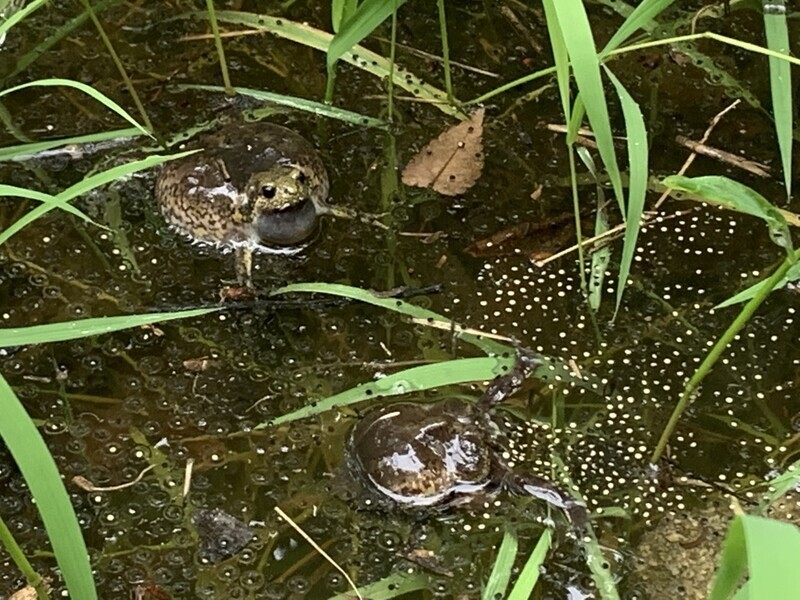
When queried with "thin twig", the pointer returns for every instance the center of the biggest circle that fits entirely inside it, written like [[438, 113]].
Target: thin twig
[[745, 164], [688, 163], [316, 546], [88, 486]]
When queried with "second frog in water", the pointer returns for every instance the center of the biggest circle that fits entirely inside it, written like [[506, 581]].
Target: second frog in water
[[253, 187], [425, 455]]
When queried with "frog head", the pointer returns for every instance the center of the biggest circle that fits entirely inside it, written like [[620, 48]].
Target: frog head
[[283, 209]]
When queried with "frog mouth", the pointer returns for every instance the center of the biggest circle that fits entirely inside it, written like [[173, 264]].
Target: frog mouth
[[287, 226]]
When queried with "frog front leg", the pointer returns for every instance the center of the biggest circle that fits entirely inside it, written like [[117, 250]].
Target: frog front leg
[[244, 266]]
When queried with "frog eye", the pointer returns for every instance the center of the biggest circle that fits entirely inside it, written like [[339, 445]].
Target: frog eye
[[268, 191], [301, 178]]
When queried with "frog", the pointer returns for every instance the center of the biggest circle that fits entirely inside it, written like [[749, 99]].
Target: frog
[[254, 187], [449, 452]]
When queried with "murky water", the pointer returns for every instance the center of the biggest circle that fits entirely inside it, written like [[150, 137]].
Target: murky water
[[112, 406]]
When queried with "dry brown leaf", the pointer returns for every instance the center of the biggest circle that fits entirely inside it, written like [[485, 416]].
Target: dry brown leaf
[[453, 162]]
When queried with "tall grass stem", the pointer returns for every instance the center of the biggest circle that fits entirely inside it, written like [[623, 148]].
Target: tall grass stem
[[120, 67], [716, 352], [8, 542], [448, 82], [223, 63]]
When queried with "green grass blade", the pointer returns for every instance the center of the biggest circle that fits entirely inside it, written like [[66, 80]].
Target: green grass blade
[[529, 576], [73, 330], [316, 108], [791, 276], [33, 459], [25, 151], [416, 379], [768, 549], [52, 201], [585, 63], [59, 34], [551, 368], [731, 194], [780, 78], [637, 180], [560, 57], [100, 97], [500, 576], [358, 56], [6, 25], [87, 185], [780, 485], [638, 19], [341, 11], [393, 586], [732, 564], [773, 548], [367, 17], [602, 256], [393, 304]]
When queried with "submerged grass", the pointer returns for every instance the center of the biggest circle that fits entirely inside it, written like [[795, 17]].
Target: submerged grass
[[357, 56], [82, 87], [85, 186]]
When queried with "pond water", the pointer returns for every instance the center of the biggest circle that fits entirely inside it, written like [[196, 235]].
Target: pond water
[[113, 405]]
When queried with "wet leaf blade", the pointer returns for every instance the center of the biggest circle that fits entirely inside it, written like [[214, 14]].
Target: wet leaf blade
[[87, 185], [767, 549], [528, 578], [772, 550], [415, 379], [82, 87], [579, 42], [500, 576], [638, 164], [29, 57], [782, 484], [73, 330], [732, 563], [367, 17], [638, 19], [317, 108], [24, 151], [780, 78], [46, 199], [792, 276], [393, 586], [52, 500], [6, 25], [393, 304], [731, 194], [358, 56], [560, 56]]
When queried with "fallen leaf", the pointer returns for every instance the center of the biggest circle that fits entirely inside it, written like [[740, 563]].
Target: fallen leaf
[[453, 162]]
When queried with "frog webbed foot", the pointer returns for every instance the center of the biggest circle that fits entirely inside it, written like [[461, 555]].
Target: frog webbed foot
[[543, 489]]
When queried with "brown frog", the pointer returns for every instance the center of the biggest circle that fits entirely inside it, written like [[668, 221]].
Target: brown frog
[[423, 455], [254, 187]]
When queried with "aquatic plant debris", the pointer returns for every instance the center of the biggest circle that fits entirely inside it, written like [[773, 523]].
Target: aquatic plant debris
[[453, 162]]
